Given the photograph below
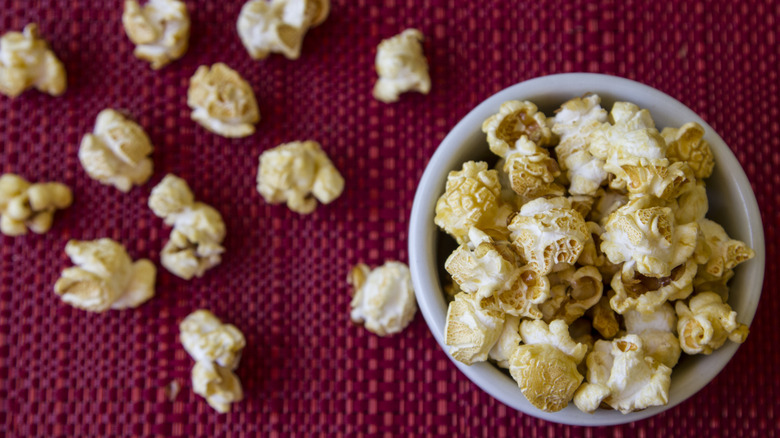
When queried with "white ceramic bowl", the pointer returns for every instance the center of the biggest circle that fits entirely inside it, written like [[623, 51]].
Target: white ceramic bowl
[[732, 204]]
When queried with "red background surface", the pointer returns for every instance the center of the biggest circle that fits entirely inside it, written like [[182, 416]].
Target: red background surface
[[306, 370]]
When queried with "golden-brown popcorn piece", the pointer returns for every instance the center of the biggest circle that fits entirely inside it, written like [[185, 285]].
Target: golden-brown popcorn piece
[[401, 66], [516, 119], [472, 198], [471, 330], [383, 299], [645, 294], [222, 101], [207, 339], [547, 377], [573, 292], [524, 294], [657, 331], [687, 144], [279, 26], [26, 61], [508, 342], [118, 152], [555, 334], [300, 174], [593, 256], [549, 234], [160, 30], [604, 318], [104, 277], [531, 170], [195, 244], [726, 253], [706, 322], [583, 204], [660, 179], [643, 234], [217, 384], [26, 206]]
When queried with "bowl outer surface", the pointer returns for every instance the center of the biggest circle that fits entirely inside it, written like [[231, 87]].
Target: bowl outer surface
[[732, 204]]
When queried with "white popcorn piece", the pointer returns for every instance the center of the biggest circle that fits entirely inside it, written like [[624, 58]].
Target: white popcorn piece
[[572, 293], [299, 174], [606, 202], [555, 334], [217, 384], [657, 331], [516, 119], [471, 329], [25, 206], [26, 61], [507, 343], [104, 277], [634, 291], [692, 205], [195, 244], [160, 30], [549, 234], [524, 294], [480, 266], [207, 339], [726, 253], [531, 171], [687, 144], [222, 101], [401, 66], [706, 322], [383, 299], [118, 152]]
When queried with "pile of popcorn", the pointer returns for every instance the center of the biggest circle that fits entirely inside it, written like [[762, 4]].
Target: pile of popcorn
[[586, 266]]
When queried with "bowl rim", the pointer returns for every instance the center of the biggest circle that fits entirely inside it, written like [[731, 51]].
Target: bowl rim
[[423, 232]]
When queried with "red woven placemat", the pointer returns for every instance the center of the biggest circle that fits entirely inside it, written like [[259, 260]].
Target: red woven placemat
[[306, 370]]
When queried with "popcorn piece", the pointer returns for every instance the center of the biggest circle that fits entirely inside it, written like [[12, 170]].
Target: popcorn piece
[[531, 171], [198, 229], [643, 233], [657, 333], [607, 201], [575, 123], [279, 26], [691, 205], [297, 173], [26, 206], [471, 330], [222, 101], [508, 342], [207, 339], [401, 66], [218, 385], [524, 294], [549, 233], [604, 319], [706, 322], [105, 277], [555, 334], [726, 253], [515, 120], [383, 299], [661, 180], [573, 292], [687, 144], [472, 199], [646, 294], [160, 30], [118, 152], [480, 266], [26, 61]]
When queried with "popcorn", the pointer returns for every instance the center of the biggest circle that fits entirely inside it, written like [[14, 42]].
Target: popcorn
[[222, 101], [606, 202], [531, 171], [383, 299], [198, 229], [573, 292], [118, 152], [524, 294], [279, 26], [105, 277], [657, 331], [555, 334], [471, 330], [726, 253], [300, 174], [515, 120], [686, 144], [691, 205], [26, 206], [160, 30], [604, 318], [26, 61], [508, 342], [207, 339], [401, 66], [660, 180], [646, 294], [472, 199], [706, 322], [480, 266], [218, 385], [549, 234]]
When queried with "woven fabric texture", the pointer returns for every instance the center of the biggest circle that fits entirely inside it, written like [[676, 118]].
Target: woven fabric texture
[[306, 369]]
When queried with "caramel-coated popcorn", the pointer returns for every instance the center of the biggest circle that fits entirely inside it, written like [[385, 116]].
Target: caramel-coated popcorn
[[383, 299], [706, 322], [401, 66], [26, 61], [160, 30], [298, 174], [117, 153], [222, 101], [26, 206]]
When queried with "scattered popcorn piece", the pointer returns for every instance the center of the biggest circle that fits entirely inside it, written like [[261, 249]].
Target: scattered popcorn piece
[[105, 277], [646, 294], [471, 330], [26, 206], [549, 234], [118, 152], [687, 144], [198, 229], [532, 171], [472, 199], [547, 377], [706, 322], [26, 61], [207, 339], [401, 66], [222, 101], [572, 293], [160, 30], [657, 331], [726, 253], [217, 384], [508, 342], [383, 299], [516, 119], [300, 174]]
